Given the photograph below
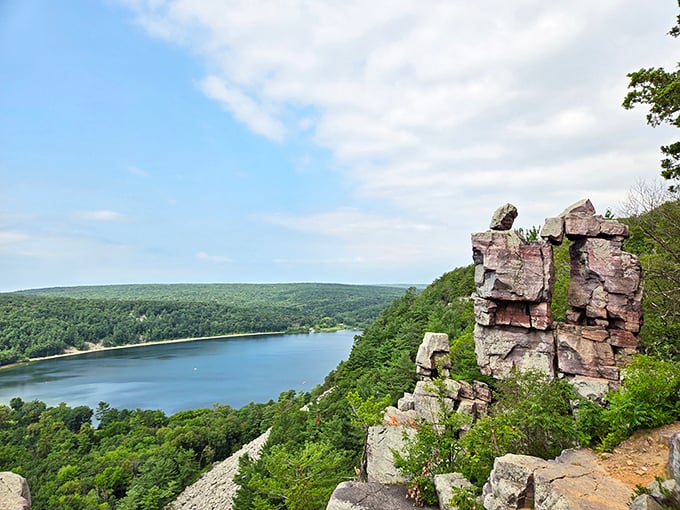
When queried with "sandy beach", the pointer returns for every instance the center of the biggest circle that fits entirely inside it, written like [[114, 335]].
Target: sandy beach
[[92, 347]]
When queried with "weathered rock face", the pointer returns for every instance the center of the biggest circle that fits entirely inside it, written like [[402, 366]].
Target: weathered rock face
[[14, 492], [370, 496], [509, 269], [383, 439], [503, 217], [573, 481], [515, 283], [432, 358]]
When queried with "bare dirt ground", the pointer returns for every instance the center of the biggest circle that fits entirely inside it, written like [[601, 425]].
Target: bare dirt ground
[[640, 458]]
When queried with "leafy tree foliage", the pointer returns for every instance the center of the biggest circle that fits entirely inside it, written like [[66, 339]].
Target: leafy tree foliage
[[137, 459], [660, 90], [653, 214]]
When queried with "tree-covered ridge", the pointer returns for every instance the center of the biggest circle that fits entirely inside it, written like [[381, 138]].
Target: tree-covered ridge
[[228, 293], [48, 321]]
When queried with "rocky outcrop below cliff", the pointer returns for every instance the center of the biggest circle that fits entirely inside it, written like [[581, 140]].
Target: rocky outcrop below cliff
[[216, 489]]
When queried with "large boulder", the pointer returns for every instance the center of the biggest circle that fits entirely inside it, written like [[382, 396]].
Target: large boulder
[[573, 481], [381, 441], [14, 492], [503, 217]]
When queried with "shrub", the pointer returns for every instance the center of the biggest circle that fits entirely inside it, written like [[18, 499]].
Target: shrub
[[648, 397]]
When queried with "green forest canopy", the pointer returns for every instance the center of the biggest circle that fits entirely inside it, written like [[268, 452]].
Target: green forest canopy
[[45, 322]]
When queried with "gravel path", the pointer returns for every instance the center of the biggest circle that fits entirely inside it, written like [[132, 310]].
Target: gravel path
[[215, 490]]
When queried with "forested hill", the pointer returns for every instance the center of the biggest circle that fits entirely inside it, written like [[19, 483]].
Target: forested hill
[[44, 322]]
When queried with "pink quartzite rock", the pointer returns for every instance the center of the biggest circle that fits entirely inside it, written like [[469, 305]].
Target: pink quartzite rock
[[674, 457], [579, 356], [573, 481], [508, 269], [583, 207], [501, 349]]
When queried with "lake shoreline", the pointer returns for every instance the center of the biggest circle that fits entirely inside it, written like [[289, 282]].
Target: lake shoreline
[[101, 348]]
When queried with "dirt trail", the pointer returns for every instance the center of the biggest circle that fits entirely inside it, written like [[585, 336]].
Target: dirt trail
[[640, 458]]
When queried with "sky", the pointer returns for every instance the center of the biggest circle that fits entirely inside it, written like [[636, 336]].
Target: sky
[[158, 141]]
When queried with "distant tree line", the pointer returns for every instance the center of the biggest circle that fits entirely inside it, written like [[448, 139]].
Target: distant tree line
[[43, 323]]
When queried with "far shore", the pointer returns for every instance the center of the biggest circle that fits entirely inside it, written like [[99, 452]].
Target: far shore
[[100, 348]]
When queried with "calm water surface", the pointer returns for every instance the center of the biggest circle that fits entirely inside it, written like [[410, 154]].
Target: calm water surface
[[175, 377]]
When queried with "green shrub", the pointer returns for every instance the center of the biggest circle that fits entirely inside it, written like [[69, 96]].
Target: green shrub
[[648, 397]]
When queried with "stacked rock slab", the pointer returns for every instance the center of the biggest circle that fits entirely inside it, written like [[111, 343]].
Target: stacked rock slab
[[514, 286], [514, 281], [425, 403], [605, 297]]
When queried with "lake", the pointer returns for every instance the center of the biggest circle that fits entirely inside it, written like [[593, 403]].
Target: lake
[[190, 375]]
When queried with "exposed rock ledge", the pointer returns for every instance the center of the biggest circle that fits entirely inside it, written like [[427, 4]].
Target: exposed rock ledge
[[216, 488]]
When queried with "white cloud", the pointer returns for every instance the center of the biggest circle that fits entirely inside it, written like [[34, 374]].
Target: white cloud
[[243, 108], [101, 215], [441, 110], [217, 259]]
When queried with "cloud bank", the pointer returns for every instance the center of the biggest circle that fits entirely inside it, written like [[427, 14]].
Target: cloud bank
[[438, 111]]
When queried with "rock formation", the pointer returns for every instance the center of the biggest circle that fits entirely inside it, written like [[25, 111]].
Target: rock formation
[[400, 423], [515, 283], [14, 492], [573, 481]]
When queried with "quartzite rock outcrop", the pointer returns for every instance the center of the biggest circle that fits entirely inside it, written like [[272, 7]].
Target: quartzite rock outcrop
[[14, 492], [514, 286], [573, 481]]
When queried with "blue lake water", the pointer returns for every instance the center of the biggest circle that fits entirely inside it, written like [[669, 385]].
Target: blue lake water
[[175, 377]]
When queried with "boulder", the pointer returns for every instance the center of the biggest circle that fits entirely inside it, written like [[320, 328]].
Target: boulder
[[14, 492], [432, 356], [503, 217], [428, 403], [582, 207], [511, 483], [406, 402], [445, 485], [592, 388], [573, 481], [578, 355], [666, 493], [509, 269], [370, 496]]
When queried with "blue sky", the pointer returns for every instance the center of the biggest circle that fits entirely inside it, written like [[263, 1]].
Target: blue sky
[[279, 141]]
